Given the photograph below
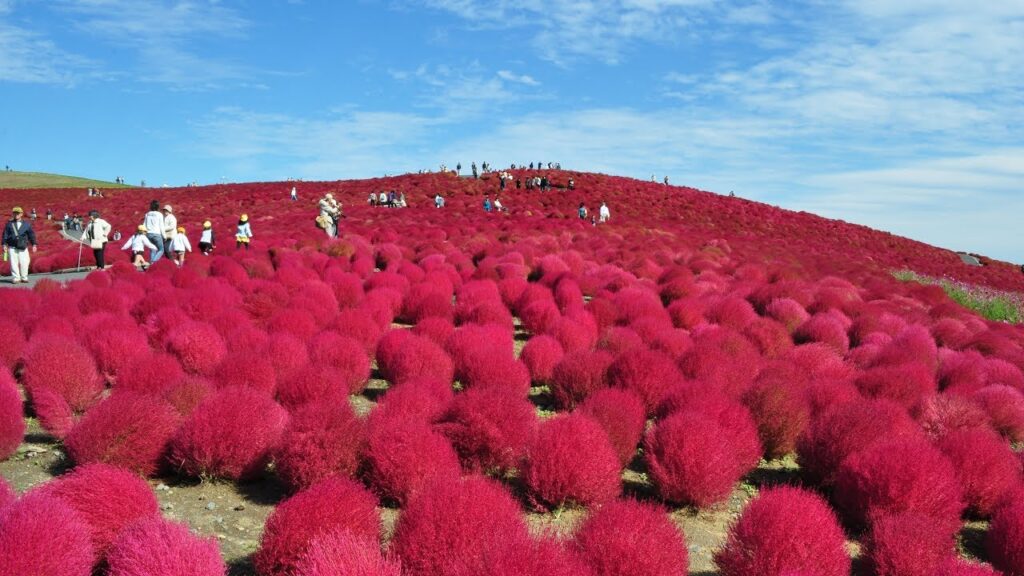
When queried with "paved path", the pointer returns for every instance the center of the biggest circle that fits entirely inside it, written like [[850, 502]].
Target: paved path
[[62, 276]]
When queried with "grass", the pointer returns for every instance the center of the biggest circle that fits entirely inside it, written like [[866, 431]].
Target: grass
[[23, 180], [992, 304]]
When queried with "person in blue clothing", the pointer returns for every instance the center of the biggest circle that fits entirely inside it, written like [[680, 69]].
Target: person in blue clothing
[[18, 236], [582, 211], [487, 203]]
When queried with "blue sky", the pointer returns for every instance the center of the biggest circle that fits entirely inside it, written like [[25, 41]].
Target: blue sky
[[903, 115]]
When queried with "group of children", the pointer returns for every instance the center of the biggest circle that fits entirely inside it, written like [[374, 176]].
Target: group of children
[[179, 244]]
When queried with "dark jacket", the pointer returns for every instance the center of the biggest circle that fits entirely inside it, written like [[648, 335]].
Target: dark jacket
[[26, 231]]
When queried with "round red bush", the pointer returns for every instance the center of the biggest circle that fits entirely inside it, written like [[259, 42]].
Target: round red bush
[[627, 538], [287, 353], [320, 441], [157, 547], [733, 417], [690, 461], [41, 534], [646, 373], [311, 385], [489, 428], [12, 419], [152, 374], [335, 503], [128, 430], [187, 393], [896, 476], [578, 375], [246, 368], [344, 355], [455, 526], [358, 324], [404, 455], [986, 467], [198, 346], [402, 356], [106, 498], [12, 343], [784, 531], [571, 460], [1005, 540], [826, 328], [1005, 408], [904, 384], [722, 359], [61, 379], [907, 544], [781, 412], [541, 354], [621, 413], [419, 400], [943, 414], [339, 553], [229, 435]]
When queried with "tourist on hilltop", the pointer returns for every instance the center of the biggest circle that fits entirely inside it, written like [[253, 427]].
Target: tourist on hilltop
[[180, 245], [18, 236], [605, 213], [572, 184], [154, 224], [438, 200], [487, 203], [666, 180], [206, 240], [138, 244], [458, 169], [531, 165], [372, 200], [544, 183], [97, 235], [582, 211], [475, 174], [329, 212], [243, 234], [295, 194], [392, 199], [170, 230], [383, 199]]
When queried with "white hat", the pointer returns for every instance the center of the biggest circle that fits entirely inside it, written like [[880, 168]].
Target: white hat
[[168, 208], [329, 196]]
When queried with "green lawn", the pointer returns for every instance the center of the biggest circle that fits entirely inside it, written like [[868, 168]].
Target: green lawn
[[43, 180]]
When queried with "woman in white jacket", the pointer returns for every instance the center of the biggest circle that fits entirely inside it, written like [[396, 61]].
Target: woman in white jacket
[[96, 234], [138, 245], [180, 245], [170, 231]]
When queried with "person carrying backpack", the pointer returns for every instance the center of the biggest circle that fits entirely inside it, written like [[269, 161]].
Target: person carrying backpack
[[97, 235], [18, 236]]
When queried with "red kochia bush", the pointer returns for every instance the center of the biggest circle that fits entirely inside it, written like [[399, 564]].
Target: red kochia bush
[[986, 467], [541, 354], [12, 421], [627, 538], [246, 368], [647, 373], [311, 385], [331, 504], [229, 435], [106, 498], [943, 414], [959, 567], [321, 440], [781, 411], [733, 417], [417, 400], [1005, 540], [907, 544], [344, 355], [489, 428], [339, 553], [784, 531], [128, 430], [723, 359], [198, 346], [403, 456], [826, 328], [899, 475], [402, 356], [571, 461], [455, 526], [621, 414], [152, 374], [689, 459], [1005, 408], [12, 343], [578, 375], [40, 534], [7, 494], [501, 371], [904, 384], [158, 547], [61, 379]]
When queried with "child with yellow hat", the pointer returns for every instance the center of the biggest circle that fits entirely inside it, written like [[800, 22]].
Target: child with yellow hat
[[180, 245], [206, 241], [244, 233], [138, 244]]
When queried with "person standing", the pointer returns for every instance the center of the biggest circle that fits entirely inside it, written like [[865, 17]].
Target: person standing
[[487, 203], [295, 194], [18, 235], [582, 211], [97, 235], [170, 230], [329, 211], [438, 201], [206, 240], [154, 224], [180, 245], [138, 244], [243, 234], [605, 214]]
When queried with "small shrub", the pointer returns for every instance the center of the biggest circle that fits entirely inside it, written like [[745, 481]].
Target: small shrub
[[61, 379], [40, 534], [621, 414], [340, 553], [571, 460], [489, 428], [151, 374], [541, 354], [959, 567], [986, 467], [826, 328], [12, 420], [907, 545], [198, 346], [7, 494], [904, 384], [942, 414], [578, 375], [403, 456], [785, 531], [157, 547], [646, 373], [1005, 408], [344, 355], [247, 368], [627, 538], [417, 400], [320, 441], [311, 385], [1005, 540], [403, 356], [781, 412]]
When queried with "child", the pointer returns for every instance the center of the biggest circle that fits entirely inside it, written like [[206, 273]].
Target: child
[[244, 233], [206, 241], [180, 245], [138, 245]]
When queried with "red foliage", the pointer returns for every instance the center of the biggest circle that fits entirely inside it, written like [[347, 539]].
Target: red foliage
[[61, 379], [621, 414], [106, 498], [403, 356], [500, 372], [907, 544], [733, 417], [40, 534], [825, 327], [904, 384], [456, 526], [198, 346], [340, 553], [186, 395], [420, 400], [358, 324], [128, 430], [899, 475], [578, 375], [787, 311], [1005, 540], [246, 368], [540, 355], [404, 456], [942, 414], [286, 353], [12, 343], [1005, 408], [345, 355], [335, 503], [723, 359], [959, 567], [153, 374], [689, 459], [438, 330], [782, 414], [489, 428], [321, 440], [646, 373], [785, 531], [7, 494], [627, 538], [571, 460], [12, 420], [157, 547], [229, 435], [986, 467]]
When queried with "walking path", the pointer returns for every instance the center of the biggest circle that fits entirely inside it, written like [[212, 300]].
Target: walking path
[[62, 276]]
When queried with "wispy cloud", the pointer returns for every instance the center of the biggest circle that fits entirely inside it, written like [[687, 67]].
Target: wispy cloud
[[519, 78], [466, 91], [28, 56]]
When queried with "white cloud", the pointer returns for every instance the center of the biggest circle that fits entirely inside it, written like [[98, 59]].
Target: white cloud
[[518, 78], [30, 57]]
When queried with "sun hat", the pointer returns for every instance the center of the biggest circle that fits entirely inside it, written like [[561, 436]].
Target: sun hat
[[18, 210], [329, 196], [142, 228], [207, 224], [168, 208], [244, 218], [181, 229]]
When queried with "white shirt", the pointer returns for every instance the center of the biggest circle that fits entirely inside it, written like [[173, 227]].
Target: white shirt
[[207, 236], [154, 223], [170, 226], [180, 243], [605, 212], [138, 243], [294, 192]]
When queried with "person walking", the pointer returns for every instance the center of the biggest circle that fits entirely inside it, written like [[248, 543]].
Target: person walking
[[154, 224], [605, 214], [180, 245], [487, 203], [438, 200], [97, 235], [138, 244], [18, 236], [206, 240], [295, 194], [582, 211], [328, 218], [243, 235], [170, 230]]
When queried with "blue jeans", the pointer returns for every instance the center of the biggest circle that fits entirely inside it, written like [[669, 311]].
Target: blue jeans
[[158, 241]]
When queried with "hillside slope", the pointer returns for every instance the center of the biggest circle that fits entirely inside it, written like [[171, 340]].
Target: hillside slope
[[22, 180]]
